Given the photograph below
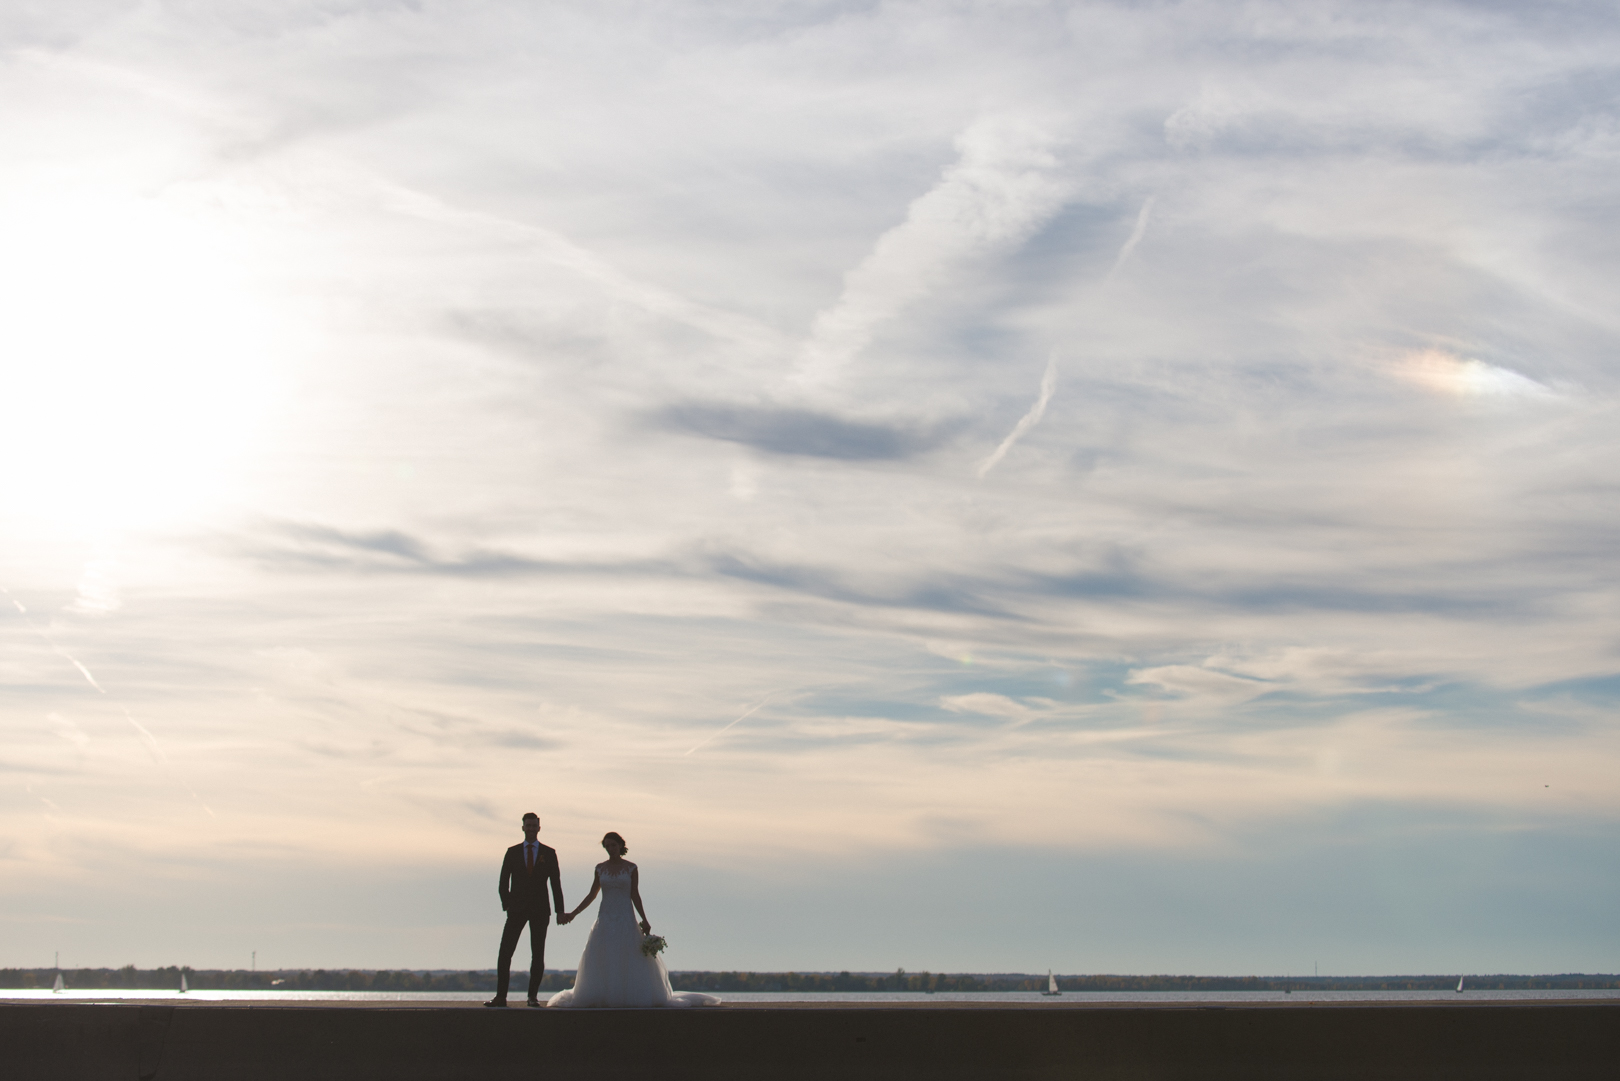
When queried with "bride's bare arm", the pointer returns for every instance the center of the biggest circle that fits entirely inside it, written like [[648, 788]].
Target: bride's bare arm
[[596, 888], [635, 896]]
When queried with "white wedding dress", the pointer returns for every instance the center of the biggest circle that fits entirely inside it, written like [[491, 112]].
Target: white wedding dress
[[613, 971]]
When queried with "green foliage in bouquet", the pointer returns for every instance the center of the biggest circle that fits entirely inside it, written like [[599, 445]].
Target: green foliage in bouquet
[[651, 945]]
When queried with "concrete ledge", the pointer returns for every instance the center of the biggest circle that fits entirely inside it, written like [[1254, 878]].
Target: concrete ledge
[[824, 1043]]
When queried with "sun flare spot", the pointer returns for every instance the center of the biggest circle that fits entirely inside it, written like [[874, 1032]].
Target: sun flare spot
[[135, 355], [1439, 371]]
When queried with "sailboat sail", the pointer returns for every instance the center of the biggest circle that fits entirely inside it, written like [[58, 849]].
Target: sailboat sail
[[1460, 980], [183, 987], [1051, 984], [59, 985]]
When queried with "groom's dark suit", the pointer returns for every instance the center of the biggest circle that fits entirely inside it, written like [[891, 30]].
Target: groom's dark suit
[[523, 895]]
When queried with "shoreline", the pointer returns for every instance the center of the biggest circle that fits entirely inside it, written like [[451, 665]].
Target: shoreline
[[197, 997], [452, 982], [1068, 1002]]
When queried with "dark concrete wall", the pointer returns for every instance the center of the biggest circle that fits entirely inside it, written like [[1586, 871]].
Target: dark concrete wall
[[65, 1042]]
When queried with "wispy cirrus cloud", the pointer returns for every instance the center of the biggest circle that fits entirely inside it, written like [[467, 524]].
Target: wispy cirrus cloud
[[1006, 183], [797, 431]]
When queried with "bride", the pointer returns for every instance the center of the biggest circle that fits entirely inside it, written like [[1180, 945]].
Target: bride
[[613, 971]]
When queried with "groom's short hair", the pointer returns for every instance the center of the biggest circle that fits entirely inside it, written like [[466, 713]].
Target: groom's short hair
[[530, 814]]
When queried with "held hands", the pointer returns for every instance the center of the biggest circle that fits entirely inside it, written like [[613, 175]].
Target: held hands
[[564, 917]]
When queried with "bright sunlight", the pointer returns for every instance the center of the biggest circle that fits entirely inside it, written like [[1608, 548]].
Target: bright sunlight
[[136, 358]]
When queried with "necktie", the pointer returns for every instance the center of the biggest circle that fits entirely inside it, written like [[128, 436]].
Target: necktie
[[528, 850]]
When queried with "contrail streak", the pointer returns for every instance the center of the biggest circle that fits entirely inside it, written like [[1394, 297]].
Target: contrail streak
[[1135, 238], [85, 672], [145, 733], [149, 739], [1028, 421], [749, 712]]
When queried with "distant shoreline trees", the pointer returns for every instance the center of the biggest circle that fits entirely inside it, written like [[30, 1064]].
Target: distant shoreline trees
[[386, 980]]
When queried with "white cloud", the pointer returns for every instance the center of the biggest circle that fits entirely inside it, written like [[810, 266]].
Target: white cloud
[[69, 730], [990, 705], [97, 589], [1199, 685]]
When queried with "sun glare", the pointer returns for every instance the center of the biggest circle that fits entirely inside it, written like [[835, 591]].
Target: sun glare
[[136, 359]]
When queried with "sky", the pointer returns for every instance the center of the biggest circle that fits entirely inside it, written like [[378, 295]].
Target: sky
[[1109, 487]]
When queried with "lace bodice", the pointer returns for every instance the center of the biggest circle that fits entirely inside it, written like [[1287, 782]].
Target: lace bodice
[[615, 884], [619, 879]]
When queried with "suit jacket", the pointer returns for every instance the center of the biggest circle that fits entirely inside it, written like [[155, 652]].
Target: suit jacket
[[523, 890]]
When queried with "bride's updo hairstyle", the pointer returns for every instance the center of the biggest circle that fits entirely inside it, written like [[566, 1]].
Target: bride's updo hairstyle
[[623, 848]]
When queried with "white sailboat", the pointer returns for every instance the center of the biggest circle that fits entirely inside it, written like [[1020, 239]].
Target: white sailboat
[[183, 987], [1460, 980], [59, 986], [1051, 984]]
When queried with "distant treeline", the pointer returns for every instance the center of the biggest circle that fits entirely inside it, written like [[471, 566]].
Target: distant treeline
[[320, 979], [1574, 981], [900, 980], [930, 981]]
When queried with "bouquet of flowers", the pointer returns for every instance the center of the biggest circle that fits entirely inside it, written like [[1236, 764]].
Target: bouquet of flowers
[[652, 944]]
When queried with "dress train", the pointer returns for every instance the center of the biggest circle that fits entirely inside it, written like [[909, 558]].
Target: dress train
[[613, 972]]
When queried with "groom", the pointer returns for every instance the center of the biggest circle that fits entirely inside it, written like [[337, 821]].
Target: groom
[[524, 874]]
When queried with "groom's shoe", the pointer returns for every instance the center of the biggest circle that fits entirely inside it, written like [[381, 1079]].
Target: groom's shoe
[[499, 1002], [534, 1002]]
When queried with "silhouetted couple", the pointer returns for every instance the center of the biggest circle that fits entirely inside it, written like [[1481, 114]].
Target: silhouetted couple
[[615, 970]]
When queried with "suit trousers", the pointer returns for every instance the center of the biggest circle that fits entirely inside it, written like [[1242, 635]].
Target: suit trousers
[[538, 921]]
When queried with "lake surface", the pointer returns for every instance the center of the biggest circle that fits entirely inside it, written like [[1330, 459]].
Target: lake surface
[[270, 998]]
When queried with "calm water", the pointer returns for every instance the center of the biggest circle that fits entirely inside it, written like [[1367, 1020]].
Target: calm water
[[1071, 997]]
